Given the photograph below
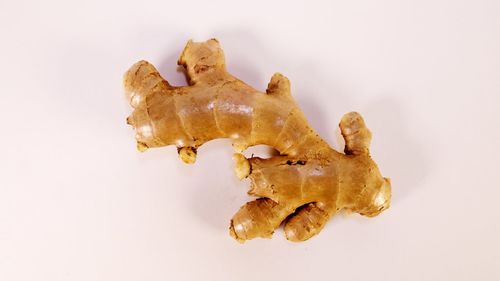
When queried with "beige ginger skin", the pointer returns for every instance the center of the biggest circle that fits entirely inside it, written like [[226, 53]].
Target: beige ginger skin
[[304, 186]]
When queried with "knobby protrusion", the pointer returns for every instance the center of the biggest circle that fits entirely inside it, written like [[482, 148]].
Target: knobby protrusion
[[188, 154], [279, 85], [242, 166], [356, 134], [141, 146]]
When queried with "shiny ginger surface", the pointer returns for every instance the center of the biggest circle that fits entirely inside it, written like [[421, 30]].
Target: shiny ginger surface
[[304, 186]]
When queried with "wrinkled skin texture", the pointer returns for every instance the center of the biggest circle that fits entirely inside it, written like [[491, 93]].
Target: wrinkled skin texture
[[304, 186]]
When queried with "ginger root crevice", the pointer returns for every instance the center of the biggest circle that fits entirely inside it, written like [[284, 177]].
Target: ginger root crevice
[[304, 186]]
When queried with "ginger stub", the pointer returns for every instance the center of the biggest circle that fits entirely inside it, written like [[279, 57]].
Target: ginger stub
[[304, 186]]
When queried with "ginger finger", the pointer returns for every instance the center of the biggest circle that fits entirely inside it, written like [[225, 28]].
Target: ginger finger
[[357, 137], [258, 218], [306, 222]]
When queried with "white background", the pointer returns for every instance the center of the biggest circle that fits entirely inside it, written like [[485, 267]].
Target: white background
[[78, 202]]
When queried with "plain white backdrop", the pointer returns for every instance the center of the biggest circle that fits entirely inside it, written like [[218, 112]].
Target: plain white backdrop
[[78, 202]]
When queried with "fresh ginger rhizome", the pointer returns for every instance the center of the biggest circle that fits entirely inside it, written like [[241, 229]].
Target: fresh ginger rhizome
[[304, 186]]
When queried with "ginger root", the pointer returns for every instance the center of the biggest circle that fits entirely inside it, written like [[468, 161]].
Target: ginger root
[[303, 187]]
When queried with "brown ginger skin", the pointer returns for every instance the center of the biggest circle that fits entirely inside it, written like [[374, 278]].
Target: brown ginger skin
[[304, 186]]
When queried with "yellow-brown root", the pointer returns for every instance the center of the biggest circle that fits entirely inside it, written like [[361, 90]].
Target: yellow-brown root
[[304, 186]]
